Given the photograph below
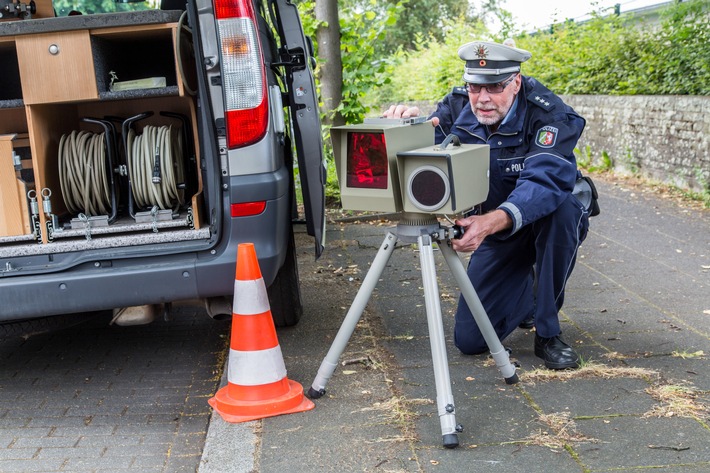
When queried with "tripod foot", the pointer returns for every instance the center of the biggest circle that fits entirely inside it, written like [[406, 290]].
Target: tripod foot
[[451, 440], [315, 394], [513, 379]]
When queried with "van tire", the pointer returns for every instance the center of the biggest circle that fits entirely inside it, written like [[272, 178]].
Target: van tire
[[285, 292]]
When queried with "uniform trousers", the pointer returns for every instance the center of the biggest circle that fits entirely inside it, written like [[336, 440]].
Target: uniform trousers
[[503, 273]]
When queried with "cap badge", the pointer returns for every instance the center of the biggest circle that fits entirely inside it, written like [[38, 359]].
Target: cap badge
[[482, 63], [481, 51]]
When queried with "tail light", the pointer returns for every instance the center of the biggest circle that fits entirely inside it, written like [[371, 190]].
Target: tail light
[[367, 163], [247, 209], [243, 73]]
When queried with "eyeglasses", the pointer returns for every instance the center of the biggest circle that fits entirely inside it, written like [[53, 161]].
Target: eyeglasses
[[491, 88]]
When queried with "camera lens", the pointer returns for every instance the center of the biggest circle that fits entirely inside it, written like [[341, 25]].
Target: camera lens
[[428, 188]]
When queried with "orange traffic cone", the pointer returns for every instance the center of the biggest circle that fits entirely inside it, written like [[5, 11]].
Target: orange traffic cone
[[257, 385]]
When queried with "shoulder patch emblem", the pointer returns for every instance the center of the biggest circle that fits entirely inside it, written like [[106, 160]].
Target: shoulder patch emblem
[[546, 137]]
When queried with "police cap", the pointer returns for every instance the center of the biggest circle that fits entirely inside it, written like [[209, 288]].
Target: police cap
[[488, 62]]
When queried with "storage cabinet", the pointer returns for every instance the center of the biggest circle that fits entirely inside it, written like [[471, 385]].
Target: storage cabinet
[[15, 183], [56, 67], [10, 89], [56, 83]]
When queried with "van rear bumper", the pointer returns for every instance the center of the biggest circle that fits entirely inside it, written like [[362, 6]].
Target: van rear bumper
[[111, 283]]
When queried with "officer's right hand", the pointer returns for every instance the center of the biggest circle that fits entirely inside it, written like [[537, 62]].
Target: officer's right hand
[[405, 111]]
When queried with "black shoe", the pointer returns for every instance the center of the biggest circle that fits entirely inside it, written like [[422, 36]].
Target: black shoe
[[556, 353], [527, 323]]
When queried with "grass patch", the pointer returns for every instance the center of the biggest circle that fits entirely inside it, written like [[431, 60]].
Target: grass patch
[[587, 371], [676, 401], [399, 411], [558, 432], [686, 355]]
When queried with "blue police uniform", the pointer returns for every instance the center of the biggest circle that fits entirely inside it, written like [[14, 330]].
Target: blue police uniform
[[532, 175]]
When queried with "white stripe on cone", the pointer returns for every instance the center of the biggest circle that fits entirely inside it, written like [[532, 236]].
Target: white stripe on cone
[[257, 367], [250, 297]]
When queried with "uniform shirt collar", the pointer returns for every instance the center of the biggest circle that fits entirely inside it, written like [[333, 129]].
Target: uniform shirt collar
[[513, 121], [512, 112]]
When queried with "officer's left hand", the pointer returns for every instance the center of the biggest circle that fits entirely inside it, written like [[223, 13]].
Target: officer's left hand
[[478, 227]]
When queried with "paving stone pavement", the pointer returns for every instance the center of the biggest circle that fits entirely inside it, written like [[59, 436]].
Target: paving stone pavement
[[637, 310], [100, 398]]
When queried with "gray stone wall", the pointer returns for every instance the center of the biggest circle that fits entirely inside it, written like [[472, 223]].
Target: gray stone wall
[[664, 138]]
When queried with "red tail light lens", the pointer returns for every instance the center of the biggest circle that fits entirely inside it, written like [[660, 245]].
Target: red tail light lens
[[367, 164], [246, 209], [243, 73]]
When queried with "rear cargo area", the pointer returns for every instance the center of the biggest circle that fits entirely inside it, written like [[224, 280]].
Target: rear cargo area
[[98, 135]]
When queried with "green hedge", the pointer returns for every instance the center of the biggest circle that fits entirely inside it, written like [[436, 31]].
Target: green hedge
[[605, 56]]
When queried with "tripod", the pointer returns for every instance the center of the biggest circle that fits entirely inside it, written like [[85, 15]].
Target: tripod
[[424, 229]]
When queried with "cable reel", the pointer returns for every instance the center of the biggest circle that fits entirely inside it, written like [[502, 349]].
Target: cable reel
[[155, 162], [84, 174]]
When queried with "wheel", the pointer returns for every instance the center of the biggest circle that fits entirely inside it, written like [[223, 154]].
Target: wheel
[[285, 292]]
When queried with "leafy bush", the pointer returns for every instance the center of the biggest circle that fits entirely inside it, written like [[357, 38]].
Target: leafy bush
[[431, 70], [612, 55]]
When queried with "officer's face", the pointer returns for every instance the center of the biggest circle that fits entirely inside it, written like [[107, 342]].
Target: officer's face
[[490, 108]]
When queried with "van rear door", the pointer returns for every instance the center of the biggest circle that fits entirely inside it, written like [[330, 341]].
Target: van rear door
[[296, 57]]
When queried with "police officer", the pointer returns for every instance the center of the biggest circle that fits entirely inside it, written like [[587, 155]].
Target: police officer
[[525, 236]]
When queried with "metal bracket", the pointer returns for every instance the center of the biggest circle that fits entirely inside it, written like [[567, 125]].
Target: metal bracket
[[190, 218], [86, 222], [34, 209], [154, 216], [52, 222], [80, 223]]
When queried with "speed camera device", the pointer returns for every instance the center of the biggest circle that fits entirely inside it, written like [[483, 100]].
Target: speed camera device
[[448, 178], [366, 160], [393, 165]]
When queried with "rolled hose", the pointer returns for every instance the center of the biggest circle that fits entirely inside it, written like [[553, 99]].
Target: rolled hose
[[83, 174], [155, 160]]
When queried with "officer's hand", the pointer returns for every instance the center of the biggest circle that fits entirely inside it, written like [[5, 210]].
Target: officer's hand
[[472, 237], [478, 227], [404, 111], [401, 111]]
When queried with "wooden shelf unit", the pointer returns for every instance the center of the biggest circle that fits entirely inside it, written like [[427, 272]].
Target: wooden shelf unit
[[14, 211], [64, 77]]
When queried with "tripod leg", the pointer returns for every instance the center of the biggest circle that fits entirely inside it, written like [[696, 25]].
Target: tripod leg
[[444, 397], [500, 356], [347, 328]]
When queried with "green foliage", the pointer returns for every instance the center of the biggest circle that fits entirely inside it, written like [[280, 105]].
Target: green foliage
[[631, 162], [583, 156], [421, 19], [432, 69], [361, 30], [617, 56], [607, 162], [362, 69], [586, 160], [611, 55], [63, 7], [332, 188]]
